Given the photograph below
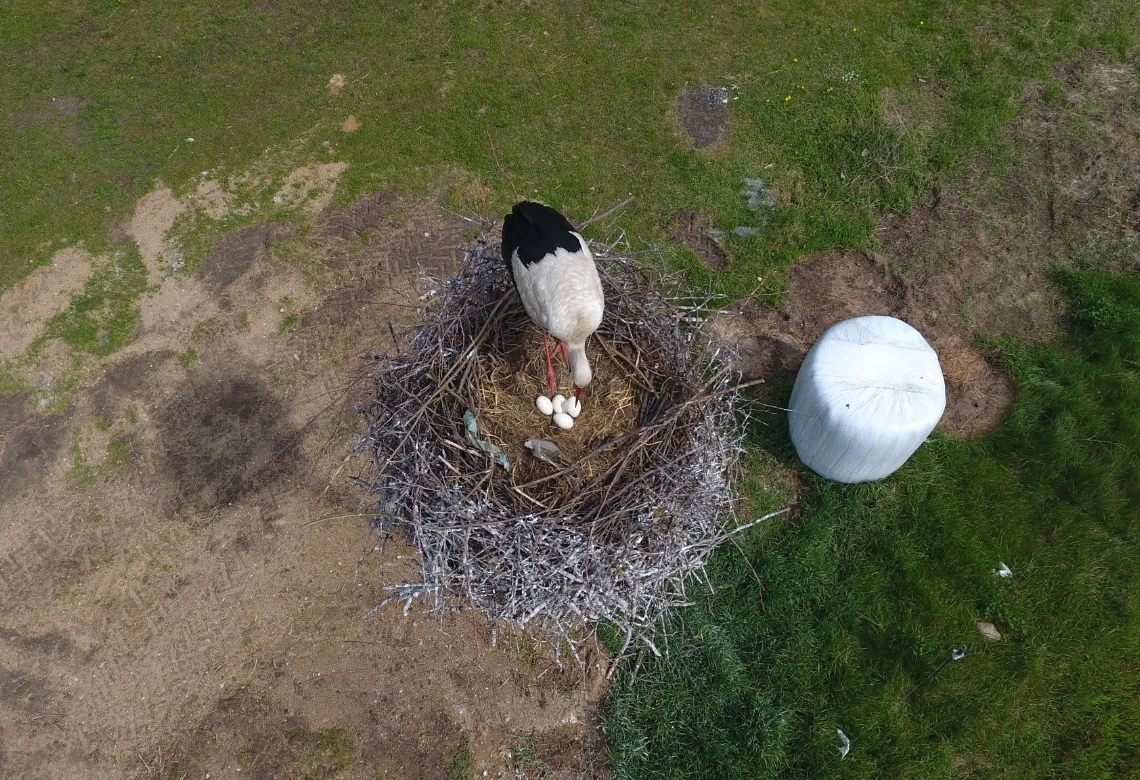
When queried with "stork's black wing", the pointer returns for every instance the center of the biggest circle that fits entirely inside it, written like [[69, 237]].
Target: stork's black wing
[[535, 231]]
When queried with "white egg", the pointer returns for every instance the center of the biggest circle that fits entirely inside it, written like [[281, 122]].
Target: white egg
[[563, 420], [559, 401], [572, 407], [544, 405]]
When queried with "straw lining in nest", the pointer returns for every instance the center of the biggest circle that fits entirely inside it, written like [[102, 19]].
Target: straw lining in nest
[[614, 534]]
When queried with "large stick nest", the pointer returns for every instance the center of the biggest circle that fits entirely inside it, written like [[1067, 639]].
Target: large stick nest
[[611, 533]]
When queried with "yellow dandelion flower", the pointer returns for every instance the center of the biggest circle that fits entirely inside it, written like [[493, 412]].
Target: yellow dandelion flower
[[795, 59], [920, 24], [831, 89], [854, 29], [787, 98]]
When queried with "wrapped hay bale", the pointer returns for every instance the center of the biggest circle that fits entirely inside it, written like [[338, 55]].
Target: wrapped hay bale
[[867, 395], [610, 523]]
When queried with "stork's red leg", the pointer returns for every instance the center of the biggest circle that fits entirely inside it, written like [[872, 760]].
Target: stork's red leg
[[565, 355], [549, 363]]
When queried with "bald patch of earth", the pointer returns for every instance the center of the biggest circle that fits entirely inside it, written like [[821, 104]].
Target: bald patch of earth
[[212, 199], [692, 231], [224, 435], [240, 251], [702, 112], [26, 307], [155, 214], [311, 188], [416, 239], [28, 443]]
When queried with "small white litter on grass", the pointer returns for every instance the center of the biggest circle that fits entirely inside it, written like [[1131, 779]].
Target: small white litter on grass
[[844, 744], [1003, 571]]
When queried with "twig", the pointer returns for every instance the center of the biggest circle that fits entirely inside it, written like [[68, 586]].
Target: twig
[[606, 213], [495, 156]]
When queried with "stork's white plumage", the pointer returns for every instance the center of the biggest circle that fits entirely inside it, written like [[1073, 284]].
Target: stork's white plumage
[[558, 283]]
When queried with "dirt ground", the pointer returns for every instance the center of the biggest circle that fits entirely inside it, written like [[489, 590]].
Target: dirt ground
[[186, 566]]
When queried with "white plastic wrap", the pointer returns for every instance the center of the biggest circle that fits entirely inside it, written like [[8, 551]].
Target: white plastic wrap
[[867, 395]]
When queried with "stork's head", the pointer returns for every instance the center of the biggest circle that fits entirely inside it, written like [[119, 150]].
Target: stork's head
[[580, 372]]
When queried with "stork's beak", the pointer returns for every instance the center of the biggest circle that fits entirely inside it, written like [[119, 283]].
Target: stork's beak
[[577, 394]]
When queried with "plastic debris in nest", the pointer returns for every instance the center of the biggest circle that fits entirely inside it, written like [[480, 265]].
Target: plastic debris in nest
[[564, 550], [479, 442]]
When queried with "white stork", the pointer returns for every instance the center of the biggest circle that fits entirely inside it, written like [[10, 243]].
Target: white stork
[[554, 272]]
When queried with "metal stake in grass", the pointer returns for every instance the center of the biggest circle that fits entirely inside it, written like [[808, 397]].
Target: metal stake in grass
[[957, 654]]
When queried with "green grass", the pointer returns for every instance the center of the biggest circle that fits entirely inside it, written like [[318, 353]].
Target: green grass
[[868, 590], [569, 102], [462, 763], [103, 317], [320, 754]]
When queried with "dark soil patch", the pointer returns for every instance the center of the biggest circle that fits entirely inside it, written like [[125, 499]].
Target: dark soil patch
[[225, 436], [50, 643], [25, 692], [575, 749], [28, 443], [356, 221], [417, 751], [240, 251], [690, 230], [383, 234], [267, 740], [703, 113], [975, 272], [824, 289], [264, 741], [124, 382]]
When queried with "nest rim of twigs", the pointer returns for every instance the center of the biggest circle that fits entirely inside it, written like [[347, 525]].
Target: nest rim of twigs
[[619, 547]]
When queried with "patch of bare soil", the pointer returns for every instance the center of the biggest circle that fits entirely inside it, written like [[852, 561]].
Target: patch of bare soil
[[418, 239], [28, 442], [185, 563], [690, 230], [154, 216], [241, 251], [225, 435], [973, 262], [311, 188], [702, 111], [47, 291]]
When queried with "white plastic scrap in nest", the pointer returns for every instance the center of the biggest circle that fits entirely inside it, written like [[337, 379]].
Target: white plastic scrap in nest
[[868, 394]]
